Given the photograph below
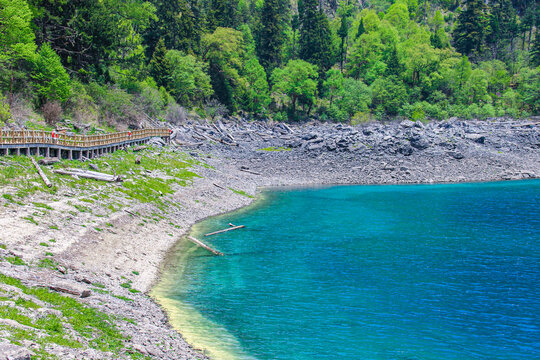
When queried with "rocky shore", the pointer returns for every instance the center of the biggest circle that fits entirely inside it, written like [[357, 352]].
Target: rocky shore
[[109, 260]]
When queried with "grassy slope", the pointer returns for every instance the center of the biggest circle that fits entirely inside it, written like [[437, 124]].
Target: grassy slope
[[76, 325]]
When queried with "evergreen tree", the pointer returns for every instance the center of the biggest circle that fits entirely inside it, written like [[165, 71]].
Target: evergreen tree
[[160, 66], [471, 28], [177, 26], [223, 13], [315, 43], [393, 66], [16, 36], [361, 29], [271, 38], [295, 24], [503, 26], [51, 79], [535, 50], [343, 31]]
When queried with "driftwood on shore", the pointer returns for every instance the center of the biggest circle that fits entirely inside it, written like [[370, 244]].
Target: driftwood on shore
[[41, 173], [82, 294], [139, 148], [204, 246], [249, 171], [48, 161], [219, 186], [225, 230], [89, 174]]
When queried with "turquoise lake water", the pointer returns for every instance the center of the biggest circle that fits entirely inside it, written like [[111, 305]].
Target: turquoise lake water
[[367, 272]]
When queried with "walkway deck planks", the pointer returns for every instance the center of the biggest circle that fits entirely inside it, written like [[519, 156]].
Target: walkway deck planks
[[45, 143]]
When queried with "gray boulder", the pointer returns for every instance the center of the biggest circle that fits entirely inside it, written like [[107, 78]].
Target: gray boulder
[[419, 142]]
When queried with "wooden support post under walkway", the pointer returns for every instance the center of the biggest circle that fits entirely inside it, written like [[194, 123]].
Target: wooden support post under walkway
[[203, 245], [225, 230]]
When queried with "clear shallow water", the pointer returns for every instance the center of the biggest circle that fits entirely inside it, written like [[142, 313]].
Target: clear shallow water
[[367, 272]]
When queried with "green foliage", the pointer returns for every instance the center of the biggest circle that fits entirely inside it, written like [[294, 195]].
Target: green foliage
[[535, 49], [176, 26], [472, 27], [223, 49], [16, 36], [296, 81], [130, 60], [16, 43], [272, 34], [189, 83], [50, 78], [5, 114], [160, 65], [528, 85], [503, 26], [315, 44], [389, 94]]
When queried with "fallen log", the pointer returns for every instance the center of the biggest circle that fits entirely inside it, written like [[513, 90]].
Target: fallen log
[[197, 137], [219, 186], [48, 161], [225, 230], [89, 174], [82, 294], [41, 173], [250, 172], [131, 213], [139, 148], [288, 128], [204, 246]]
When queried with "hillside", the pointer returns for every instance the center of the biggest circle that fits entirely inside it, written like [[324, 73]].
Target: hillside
[[120, 63]]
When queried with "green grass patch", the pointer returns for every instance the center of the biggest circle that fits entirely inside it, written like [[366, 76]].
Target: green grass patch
[[97, 328], [273, 148], [31, 219], [82, 208], [42, 206], [241, 192], [90, 201], [15, 260], [122, 297], [48, 263]]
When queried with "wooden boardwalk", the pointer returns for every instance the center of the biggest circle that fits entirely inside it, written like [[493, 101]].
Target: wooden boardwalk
[[52, 144]]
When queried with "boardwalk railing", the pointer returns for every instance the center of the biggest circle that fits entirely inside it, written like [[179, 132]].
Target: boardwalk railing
[[35, 137]]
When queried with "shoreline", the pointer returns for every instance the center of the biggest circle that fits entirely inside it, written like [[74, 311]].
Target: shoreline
[[208, 346], [224, 186]]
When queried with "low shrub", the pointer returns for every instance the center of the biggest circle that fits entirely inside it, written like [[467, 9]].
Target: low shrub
[[52, 112]]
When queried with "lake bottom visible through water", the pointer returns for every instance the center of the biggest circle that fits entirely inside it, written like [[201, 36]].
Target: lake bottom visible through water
[[446, 271]]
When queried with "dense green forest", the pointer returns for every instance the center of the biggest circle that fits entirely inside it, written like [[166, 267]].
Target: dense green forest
[[123, 61]]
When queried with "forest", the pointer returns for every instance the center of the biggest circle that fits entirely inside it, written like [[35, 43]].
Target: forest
[[118, 62]]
